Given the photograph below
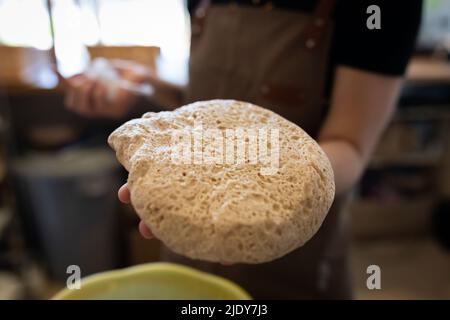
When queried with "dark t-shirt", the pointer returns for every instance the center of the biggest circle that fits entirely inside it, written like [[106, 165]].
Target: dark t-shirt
[[385, 51]]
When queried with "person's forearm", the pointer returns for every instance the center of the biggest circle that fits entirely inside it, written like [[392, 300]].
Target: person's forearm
[[346, 161], [361, 106]]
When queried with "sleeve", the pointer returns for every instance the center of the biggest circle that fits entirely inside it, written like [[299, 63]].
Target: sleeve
[[386, 50]]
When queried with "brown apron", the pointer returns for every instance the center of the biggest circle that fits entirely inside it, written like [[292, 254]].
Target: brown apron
[[276, 59]]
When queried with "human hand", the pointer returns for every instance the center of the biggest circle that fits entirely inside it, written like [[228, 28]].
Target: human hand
[[124, 196], [90, 97]]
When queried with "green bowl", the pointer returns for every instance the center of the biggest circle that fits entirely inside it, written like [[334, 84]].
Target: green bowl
[[154, 281]]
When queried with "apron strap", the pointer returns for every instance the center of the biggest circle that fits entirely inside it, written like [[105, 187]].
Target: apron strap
[[315, 30], [199, 17]]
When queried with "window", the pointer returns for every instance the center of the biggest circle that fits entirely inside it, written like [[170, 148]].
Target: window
[[81, 23], [25, 23]]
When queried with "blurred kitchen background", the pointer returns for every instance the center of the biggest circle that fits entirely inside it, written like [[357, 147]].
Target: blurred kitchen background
[[58, 178]]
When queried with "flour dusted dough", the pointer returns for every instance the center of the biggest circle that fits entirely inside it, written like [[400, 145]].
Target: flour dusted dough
[[225, 212]]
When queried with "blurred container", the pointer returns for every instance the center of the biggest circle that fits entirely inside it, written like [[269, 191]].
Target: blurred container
[[155, 281], [71, 200]]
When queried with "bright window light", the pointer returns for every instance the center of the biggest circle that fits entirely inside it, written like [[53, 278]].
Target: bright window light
[[25, 23], [81, 23]]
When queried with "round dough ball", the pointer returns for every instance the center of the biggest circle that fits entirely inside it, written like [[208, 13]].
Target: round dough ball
[[225, 181]]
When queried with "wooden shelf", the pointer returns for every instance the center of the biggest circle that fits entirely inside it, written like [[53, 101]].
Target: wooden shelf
[[428, 70], [419, 159]]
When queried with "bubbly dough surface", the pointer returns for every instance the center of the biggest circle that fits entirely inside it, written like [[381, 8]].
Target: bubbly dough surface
[[225, 212]]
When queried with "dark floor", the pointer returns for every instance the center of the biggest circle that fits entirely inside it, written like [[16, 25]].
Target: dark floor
[[414, 268]]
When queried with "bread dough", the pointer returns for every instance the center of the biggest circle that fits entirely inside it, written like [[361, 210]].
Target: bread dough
[[231, 206]]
